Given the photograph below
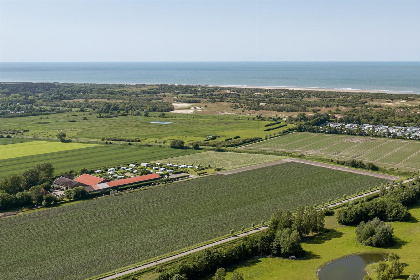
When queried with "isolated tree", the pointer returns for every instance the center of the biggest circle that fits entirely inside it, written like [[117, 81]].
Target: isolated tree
[[236, 276], [414, 276], [48, 200], [61, 136], [177, 144], [220, 274], [375, 233]]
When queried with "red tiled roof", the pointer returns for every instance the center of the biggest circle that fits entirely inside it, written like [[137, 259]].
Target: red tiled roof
[[89, 179], [133, 180]]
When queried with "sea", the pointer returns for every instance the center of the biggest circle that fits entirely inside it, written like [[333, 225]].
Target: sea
[[399, 77]]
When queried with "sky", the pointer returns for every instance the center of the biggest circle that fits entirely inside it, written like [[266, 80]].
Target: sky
[[209, 30]]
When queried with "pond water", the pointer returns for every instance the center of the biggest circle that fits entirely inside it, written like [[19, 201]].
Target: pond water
[[162, 122], [350, 267]]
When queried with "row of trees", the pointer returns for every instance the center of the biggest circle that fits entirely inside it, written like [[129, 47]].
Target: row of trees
[[27, 188], [391, 205], [283, 238]]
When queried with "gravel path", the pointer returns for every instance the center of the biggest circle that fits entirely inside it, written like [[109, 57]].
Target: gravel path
[[314, 163]]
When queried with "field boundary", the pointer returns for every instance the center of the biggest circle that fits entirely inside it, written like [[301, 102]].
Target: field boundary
[[313, 163]]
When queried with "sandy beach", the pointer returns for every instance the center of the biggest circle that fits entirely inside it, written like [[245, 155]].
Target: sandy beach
[[311, 89]]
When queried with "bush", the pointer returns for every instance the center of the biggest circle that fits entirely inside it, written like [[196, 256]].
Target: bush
[[375, 233], [177, 144], [385, 209]]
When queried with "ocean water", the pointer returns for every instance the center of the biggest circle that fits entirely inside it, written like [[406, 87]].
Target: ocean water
[[403, 77]]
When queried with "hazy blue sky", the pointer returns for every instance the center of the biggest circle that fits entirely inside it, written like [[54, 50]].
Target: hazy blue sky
[[209, 30]]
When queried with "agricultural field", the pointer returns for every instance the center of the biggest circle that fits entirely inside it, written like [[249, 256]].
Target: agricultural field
[[225, 160], [92, 237], [337, 243], [6, 141], [90, 157], [392, 153], [37, 148], [187, 127]]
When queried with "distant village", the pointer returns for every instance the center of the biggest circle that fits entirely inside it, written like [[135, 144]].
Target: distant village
[[409, 132]]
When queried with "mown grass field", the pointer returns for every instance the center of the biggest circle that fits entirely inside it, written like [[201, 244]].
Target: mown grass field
[[38, 147], [92, 237], [93, 157], [225, 160], [185, 127], [6, 141], [393, 153], [339, 242]]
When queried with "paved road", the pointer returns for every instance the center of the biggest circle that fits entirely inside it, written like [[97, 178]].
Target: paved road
[[262, 228]]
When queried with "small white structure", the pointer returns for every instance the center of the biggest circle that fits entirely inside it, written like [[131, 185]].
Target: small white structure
[[176, 165], [190, 166], [183, 166], [129, 169], [111, 172], [144, 164], [155, 168], [162, 169], [98, 171], [170, 170], [120, 177], [160, 173], [132, 165], [135, 171], [123, 168], [111, 169], [169, 164]]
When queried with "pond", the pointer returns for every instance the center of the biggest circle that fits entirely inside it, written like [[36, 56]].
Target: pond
[[349, 267], [162, 122]]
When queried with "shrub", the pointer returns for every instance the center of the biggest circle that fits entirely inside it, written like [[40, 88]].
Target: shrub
[[177, 144], [375, 233]]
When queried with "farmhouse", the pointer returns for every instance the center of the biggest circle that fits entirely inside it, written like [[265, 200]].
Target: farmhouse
[[122, 182], [65, 183], [89, 180], [93, 183]]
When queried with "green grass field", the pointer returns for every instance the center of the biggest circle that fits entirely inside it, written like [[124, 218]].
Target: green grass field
[[225, 160], [37, 148], [339, 242], [93, 157], [88, 238], [185, 127], [6, 141], [393, 153]]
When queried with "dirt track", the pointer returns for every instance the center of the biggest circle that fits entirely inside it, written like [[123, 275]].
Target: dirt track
[[303, 161]]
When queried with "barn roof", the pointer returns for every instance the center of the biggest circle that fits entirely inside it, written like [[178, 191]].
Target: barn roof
[[89, 179], [133, 180]]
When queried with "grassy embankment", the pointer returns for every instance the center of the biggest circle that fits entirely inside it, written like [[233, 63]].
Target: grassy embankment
[[93, 237], [391, 153], [338, 242]]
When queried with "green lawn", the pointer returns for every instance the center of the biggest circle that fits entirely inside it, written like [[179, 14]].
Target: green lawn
[[37, 147], [92, 237], [225, 160], [339, 242], [393, 153], [186, 127], [93, 157]]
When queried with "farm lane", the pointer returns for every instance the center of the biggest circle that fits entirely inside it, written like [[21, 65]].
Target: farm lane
[[319, 164], [184, 254]]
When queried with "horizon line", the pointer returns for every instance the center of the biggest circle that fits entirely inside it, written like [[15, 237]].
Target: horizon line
[[209, 61]]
